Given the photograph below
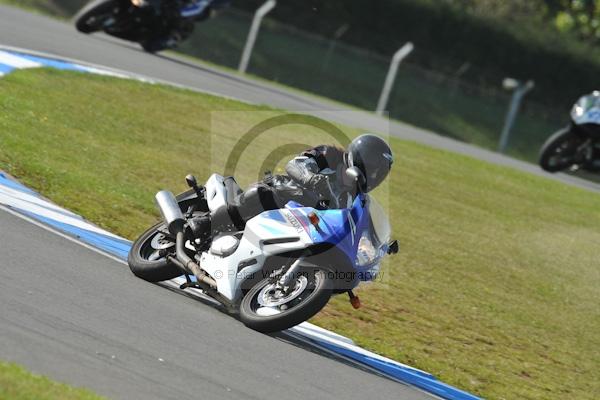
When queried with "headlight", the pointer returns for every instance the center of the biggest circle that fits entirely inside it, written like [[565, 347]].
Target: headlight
[[577, 111], [367, 254]]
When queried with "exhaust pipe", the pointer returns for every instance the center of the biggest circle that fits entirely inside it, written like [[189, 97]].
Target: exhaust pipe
[[189, 264], [170, 211], [172, 215]]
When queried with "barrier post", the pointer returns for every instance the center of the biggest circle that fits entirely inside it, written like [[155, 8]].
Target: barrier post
[[256, 21], [520, 89], [400, 55]]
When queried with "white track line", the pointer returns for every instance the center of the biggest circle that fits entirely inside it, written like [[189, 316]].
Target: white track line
[[61, 234], [17, 62], [120, 73], [27, 202]]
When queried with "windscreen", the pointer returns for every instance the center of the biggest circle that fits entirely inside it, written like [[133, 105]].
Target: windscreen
[[381, 224], [589, 101], [587, 109]]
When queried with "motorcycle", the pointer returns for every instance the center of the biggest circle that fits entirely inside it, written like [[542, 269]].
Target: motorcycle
[[278, 268], [578, 145], [154, 24]]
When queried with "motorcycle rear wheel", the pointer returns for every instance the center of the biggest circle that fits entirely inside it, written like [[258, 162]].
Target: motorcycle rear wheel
[[310, 294], [559, 151], [92, 16], [147, 262]]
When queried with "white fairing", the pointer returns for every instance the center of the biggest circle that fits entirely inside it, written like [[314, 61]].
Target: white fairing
[[587, 110], [591, 116], [255, 246], [224, 269], [215, 192], [224, 245]]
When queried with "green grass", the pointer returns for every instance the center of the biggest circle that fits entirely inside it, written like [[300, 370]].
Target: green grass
[[16, 383], [495, 289], [352, 76], [355, 77]]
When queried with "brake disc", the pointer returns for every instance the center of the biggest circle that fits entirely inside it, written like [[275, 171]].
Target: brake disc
[[272, 296], [160, 242]]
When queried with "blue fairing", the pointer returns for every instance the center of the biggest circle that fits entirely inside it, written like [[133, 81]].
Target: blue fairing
[[340, 227], [194, 9]]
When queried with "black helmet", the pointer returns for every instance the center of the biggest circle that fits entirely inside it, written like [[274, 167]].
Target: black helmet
[[373, 156]]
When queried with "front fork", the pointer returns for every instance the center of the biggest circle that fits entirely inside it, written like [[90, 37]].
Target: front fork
[[285, 282], [290, 275]]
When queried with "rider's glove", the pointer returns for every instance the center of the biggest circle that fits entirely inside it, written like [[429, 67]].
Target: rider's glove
[[319, 183]]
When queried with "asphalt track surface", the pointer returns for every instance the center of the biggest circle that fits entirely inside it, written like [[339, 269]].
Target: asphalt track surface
[[82, 318], [34, 32]]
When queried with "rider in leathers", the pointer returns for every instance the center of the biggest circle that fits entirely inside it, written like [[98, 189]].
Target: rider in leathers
[[182, 23], [321, 170], [318, 178]]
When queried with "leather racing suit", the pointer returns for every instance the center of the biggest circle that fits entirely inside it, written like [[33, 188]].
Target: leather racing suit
[[315, 178]]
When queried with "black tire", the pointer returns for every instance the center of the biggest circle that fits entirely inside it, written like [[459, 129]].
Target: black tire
[[316, 298], [152, 271], [562, 143], [153, 46], [84, 19]]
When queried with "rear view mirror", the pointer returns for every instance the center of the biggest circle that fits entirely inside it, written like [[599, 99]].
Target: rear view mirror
[[357, 176], [393, 247]]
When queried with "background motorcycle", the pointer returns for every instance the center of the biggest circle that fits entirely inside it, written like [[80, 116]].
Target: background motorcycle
[[278, 268], [578, 145], [154, 24]]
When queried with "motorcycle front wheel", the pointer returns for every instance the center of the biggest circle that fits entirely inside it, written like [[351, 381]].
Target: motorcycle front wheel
[[92, 16], [268, 308], [560, 151], [147, 258]]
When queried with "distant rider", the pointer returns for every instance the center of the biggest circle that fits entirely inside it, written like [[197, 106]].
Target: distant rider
[[183, 15]]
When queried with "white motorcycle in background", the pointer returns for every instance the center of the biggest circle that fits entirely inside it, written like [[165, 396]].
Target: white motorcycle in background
[[578, 145], [277, 269]]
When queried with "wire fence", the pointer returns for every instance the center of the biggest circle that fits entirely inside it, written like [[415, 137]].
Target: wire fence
[[447, 98]]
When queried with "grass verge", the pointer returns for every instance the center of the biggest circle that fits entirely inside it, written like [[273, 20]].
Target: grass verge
[[354, 77], [496, 286], [16, 383], [428, 99]]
